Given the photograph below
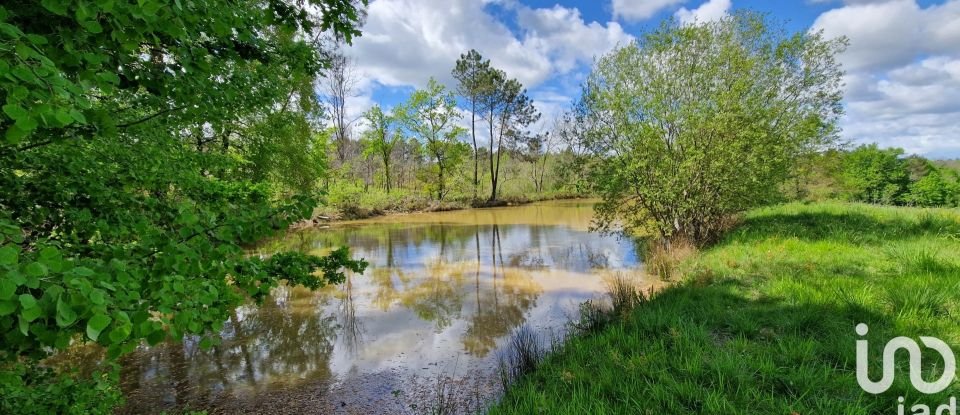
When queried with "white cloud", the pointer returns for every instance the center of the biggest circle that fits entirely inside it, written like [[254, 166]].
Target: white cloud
[[636, 10], [561, 34], [903, 81], [405, 42], [892, 33], [707, 12]]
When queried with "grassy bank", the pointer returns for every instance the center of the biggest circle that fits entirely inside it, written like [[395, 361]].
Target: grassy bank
[[348, 202], [763, 321]]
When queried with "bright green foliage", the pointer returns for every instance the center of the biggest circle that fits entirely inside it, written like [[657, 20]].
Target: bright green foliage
[[430, 115], [380, 140], [694, 123], [934, 189], [144, 144], [875, 175]]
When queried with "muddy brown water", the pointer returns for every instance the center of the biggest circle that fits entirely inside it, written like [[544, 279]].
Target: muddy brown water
[[430, 316]]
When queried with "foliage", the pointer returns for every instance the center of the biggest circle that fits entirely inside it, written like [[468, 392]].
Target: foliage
[[510, 112], [934, 190], [380, 140], [698, 122], [763, 322], [144, 144], [473, 75], [38, 390], [875, 175], [430, 115]]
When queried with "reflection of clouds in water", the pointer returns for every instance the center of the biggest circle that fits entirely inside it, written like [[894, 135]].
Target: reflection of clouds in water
[[435, 296]]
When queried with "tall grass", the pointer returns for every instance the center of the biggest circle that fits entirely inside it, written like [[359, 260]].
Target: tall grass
[[763, 321]]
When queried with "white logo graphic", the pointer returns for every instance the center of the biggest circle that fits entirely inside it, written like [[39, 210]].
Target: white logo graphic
[[905, 343]]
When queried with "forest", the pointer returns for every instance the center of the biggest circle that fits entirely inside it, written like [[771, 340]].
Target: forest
[[148, 145]]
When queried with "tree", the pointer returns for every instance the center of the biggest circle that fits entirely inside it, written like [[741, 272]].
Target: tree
[[379, 140], [874, 175], [430, 115], [538, 152], [509, 113], [340, 82], [933, 190], [126, 200], [694, 123], [473, 75]]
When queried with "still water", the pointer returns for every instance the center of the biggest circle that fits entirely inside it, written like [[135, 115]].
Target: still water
[[440, 298]]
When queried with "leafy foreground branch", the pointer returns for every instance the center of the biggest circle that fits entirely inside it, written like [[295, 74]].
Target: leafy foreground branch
[[763, 322], [144, 146]]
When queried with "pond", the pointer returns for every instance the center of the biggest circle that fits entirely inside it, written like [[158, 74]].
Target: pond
[[440, 299]]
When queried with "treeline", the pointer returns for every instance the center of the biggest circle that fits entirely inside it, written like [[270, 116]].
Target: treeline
[[877, 175], [420, 153]]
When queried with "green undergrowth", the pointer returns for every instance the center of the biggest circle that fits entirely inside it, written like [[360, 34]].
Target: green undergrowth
[[349, 201], [763, 321]]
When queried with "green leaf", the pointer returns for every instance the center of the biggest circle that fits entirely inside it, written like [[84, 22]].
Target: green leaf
[[7, 288], [15, 112], [7, 307], [120, 333], [15, 134], [55, 6], [36, 269], [96, 297], [31, 313], [65, 314], [92, 26], [24, 325], [82, 271], [27, 300], [96, 324], [8, 255], [51, 258]]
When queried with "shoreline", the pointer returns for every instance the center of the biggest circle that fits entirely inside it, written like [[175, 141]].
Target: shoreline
[[361, 213]]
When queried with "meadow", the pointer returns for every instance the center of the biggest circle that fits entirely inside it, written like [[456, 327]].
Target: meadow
[[763, 321]]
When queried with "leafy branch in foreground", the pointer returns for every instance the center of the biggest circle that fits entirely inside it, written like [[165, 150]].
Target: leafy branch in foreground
[[139, 158]]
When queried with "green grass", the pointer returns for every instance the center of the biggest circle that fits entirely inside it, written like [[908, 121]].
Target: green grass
[[347, 200], [763, 322]]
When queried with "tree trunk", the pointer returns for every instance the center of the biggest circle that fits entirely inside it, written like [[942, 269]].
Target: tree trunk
[[386, 172], [493, 175], [440, 177], [476, 154]]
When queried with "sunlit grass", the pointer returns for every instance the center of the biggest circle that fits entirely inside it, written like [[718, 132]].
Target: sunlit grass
[[763, 321]]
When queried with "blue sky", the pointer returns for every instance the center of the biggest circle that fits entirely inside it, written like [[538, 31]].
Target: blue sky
[[903, 66]]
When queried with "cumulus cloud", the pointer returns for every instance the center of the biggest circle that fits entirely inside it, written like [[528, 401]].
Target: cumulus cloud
[[892, 33], [903, 81], [707, 12], [405, 42], [636, 10]]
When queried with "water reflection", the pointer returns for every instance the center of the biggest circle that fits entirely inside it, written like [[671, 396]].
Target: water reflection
[[443, 291]]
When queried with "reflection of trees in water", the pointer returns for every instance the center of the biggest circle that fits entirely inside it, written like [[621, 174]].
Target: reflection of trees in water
[[500, 307], [351, 327], [439, 297], [286, 340]]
